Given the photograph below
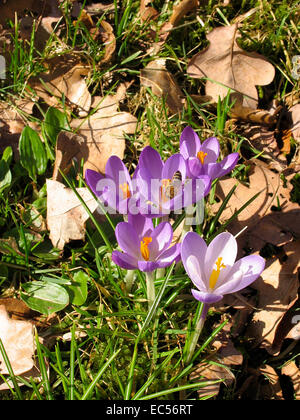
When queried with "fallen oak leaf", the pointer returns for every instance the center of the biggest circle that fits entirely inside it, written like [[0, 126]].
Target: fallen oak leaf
[[179, 11], [278, 291], [227, 66], [264, 139], [66, 216], [98, 7], [294, 112], [263, 220], [67, 146], [227, 354], [18, 340], [10, 7], [103, 131], [262, 383], [245, 113], [64, 78], [291, 369], [210, 371], [182, 9], [17, 309], [163, 84], [147, 12], [106, 34]]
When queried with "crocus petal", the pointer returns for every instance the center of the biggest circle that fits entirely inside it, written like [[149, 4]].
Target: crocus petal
[[233, 282], [116, 170], [228, 163], [192, 267], [224, 246], [189, 143], [92, 179], [211, 146], [142, 225], [169, 256], [251, 268], [149, 195], [128, 239], [161, 239], [195, 168], [124, 260], [147, 266], [150, 164], [213, 170], [205, 297], [172, 165], [194, 245]]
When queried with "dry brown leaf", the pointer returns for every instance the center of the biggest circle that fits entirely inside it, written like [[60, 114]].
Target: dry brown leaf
[[17, 309], [263, 224], [86, 19], [66, 216], [211, 371], [262, 384], [271, 389], [43, 26], [10, 7], [41, 33], [107, 37], [179, 11], [227, 354], [163, 84], [65, 77], [292, 370], [98, 7], [34, 373], [12, 118], [295, 116], [264, 139], [103, 132], [277, 288], [147, 12], [225, 63], [18, 340], [12, 122], [259, 116], [68, 145]]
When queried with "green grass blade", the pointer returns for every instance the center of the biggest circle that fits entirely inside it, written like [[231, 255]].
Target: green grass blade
[[98, 376], [10, 371]]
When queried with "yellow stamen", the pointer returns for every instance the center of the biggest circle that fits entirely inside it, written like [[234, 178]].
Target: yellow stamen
[[144, 247], [201, 156], [125, 190], [216, 273]]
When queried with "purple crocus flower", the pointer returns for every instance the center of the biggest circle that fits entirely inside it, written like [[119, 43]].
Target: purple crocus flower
[[164, 186], [144, 247], [202, 158], [213, 268], [116, 189]]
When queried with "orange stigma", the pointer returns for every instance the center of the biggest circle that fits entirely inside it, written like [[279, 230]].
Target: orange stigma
[[144, 247], [125, 190], [201, 156]]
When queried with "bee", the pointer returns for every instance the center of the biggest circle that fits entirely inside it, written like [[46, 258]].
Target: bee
[[171, 187]]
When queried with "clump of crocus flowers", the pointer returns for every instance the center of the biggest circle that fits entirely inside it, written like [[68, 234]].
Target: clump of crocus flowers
[[145, 237]]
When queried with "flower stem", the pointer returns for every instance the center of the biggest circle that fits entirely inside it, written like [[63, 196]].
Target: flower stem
[[129, 279], [150, 288], [187, 221], [197, 331], [160, 273]]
